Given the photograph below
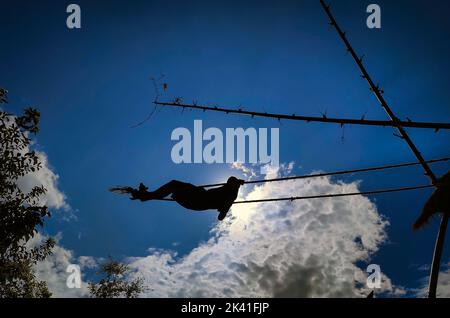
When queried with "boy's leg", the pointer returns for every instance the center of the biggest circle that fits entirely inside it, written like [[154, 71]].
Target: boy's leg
[[169, 188]]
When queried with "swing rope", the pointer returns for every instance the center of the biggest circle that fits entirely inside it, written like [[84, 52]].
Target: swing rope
[[332, 195], [342, 172]]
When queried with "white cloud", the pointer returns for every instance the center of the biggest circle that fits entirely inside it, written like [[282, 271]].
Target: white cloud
[[284, 249], [89, 262], [248, 172], [53, 198], [53, 269], [443, 288]]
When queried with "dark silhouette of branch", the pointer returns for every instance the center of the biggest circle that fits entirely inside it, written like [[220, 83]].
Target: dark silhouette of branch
[[322, 119], [156, 87]]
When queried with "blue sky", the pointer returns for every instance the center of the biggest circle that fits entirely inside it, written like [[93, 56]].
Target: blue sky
[[92, 84]]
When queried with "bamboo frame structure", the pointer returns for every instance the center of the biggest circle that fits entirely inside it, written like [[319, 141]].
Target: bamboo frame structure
[[434, 274]]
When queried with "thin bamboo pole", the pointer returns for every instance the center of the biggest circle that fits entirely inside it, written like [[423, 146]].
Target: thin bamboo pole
[[376, 90]]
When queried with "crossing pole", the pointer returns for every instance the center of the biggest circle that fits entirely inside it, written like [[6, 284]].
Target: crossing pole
[[404, 135], [308, 119]]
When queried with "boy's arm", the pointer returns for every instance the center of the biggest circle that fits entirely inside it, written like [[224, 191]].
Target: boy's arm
[[228, 203], [223, 210], [141, 193]]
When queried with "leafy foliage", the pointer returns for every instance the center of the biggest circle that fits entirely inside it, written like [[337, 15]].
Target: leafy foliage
[[113, 283], [20, 213]]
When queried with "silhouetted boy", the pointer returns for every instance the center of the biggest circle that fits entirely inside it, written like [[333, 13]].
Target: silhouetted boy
[[190, 196]]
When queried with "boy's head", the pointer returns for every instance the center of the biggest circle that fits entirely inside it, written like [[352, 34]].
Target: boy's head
[[235, 182]]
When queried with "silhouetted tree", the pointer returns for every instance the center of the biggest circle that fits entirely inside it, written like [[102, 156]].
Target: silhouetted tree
[[20, 213], [113, 283]]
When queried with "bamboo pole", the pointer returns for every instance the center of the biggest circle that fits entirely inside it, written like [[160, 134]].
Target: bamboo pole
[[434, 274], [323, 119]]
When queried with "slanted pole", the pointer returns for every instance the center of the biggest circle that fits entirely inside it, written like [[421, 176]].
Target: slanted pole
[[404, 135]]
